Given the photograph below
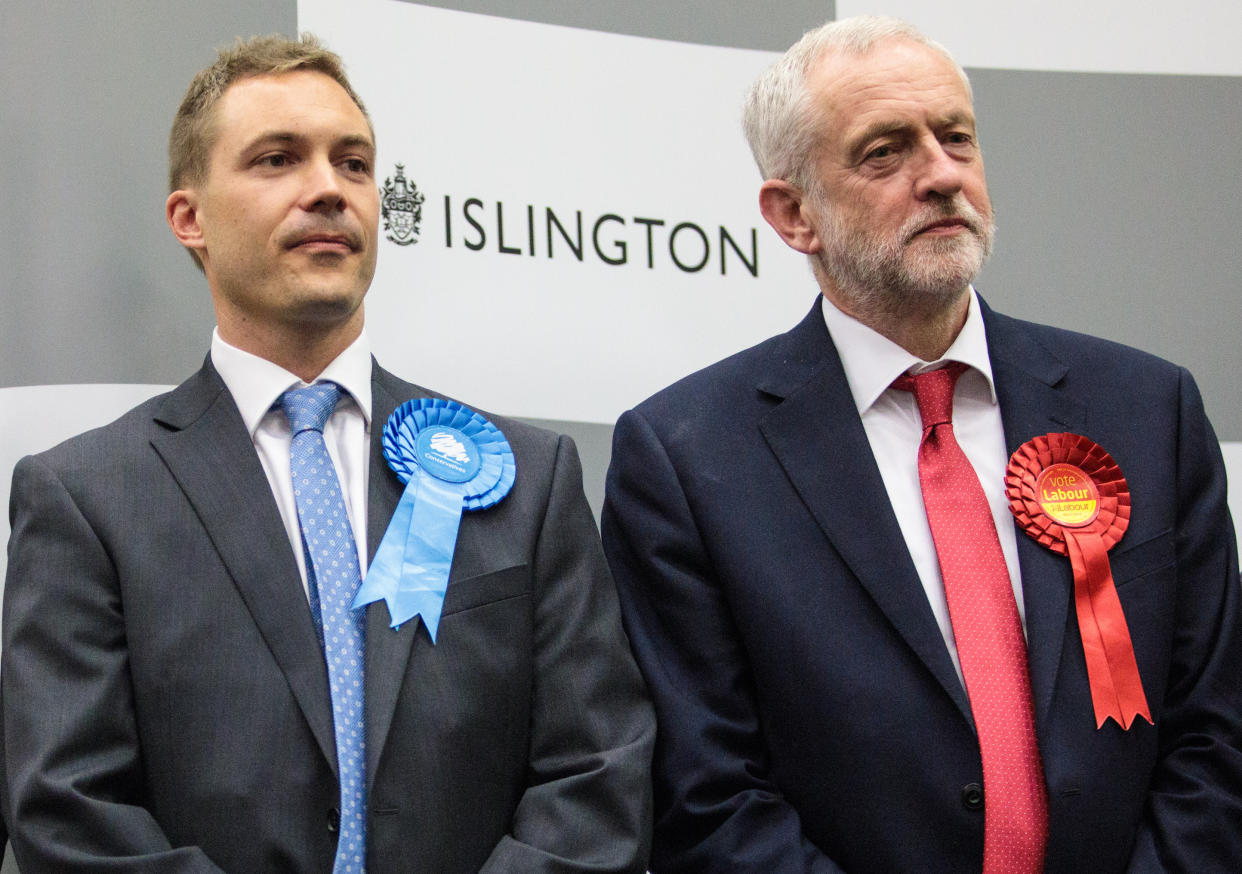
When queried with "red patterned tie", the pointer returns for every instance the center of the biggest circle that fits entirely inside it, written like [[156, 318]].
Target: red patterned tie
[[988, 633]]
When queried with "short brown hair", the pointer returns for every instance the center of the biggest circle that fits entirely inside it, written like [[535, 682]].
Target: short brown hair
[[190, 140]]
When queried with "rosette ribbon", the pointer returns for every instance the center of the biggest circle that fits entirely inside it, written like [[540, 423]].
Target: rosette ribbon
[[451, 460], [1069, 495]]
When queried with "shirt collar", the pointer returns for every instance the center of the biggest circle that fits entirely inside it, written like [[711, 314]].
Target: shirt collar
[[256, 383], [872, 361]]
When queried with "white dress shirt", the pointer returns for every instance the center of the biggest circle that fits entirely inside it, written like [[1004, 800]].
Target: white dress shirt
[[894, 428], [256, 383]]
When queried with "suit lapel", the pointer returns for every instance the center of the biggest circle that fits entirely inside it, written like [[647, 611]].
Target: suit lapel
[[210, 455], [387, 649], [811, 432], [1033, 402]]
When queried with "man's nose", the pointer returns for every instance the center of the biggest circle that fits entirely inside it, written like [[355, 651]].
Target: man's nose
[[323, 189], [939, 172]]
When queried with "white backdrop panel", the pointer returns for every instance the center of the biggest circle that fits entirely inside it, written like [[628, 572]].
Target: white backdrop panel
[[527, 118], [1094, 36]]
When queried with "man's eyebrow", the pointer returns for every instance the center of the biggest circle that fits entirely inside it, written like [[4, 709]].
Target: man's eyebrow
[[952, 118], [875, 131], [274, 136], [356, 141], [885, 128], [287, 137]]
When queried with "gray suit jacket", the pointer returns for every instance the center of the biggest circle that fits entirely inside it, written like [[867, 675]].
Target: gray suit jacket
[[166, 702]]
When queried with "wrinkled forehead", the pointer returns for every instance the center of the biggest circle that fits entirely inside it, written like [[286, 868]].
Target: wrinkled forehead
[[898, 77]]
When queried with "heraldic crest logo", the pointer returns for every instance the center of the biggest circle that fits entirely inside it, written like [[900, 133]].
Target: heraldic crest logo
[[401, 205]]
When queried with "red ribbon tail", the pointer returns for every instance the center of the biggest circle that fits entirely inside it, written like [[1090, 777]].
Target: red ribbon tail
[[1112, 672]]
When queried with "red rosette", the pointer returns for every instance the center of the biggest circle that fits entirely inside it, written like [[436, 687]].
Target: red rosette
[[1069, 495]]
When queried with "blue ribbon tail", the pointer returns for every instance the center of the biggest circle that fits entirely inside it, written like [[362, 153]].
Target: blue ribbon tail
[[411, 568], [385, 571]]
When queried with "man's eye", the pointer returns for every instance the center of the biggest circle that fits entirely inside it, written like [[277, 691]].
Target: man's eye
[[880, 153], [274, 160], [357, 165]]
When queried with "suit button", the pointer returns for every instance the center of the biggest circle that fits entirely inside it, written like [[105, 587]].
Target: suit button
[[334, 820], [972, 796]]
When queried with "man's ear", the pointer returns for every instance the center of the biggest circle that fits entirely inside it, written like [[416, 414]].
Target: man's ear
[[181, 210], [783, 205]]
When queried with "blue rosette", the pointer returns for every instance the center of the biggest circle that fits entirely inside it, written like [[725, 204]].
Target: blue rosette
[[452, 460]]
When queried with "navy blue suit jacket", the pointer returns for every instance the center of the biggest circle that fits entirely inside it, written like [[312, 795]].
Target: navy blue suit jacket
[[810, 716]]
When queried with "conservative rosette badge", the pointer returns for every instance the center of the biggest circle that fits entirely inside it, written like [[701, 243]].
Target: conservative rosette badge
[[451, 460], [1069, 494]]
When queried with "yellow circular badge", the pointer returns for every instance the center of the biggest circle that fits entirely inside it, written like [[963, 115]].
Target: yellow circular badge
[[1067, 495]]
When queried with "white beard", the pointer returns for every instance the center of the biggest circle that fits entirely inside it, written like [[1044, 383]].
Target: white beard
[[905, 274]]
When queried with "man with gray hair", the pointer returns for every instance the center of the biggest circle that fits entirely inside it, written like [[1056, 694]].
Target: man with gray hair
[[918, 587], [197, 678]]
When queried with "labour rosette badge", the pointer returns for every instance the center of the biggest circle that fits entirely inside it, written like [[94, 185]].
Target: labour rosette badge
[[451, 460], [1069, 494]]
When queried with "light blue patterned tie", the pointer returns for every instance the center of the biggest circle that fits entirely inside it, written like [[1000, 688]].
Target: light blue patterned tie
[[333, 571]]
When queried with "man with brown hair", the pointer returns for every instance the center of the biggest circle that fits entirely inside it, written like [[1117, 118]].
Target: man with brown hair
[[192, 680]]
